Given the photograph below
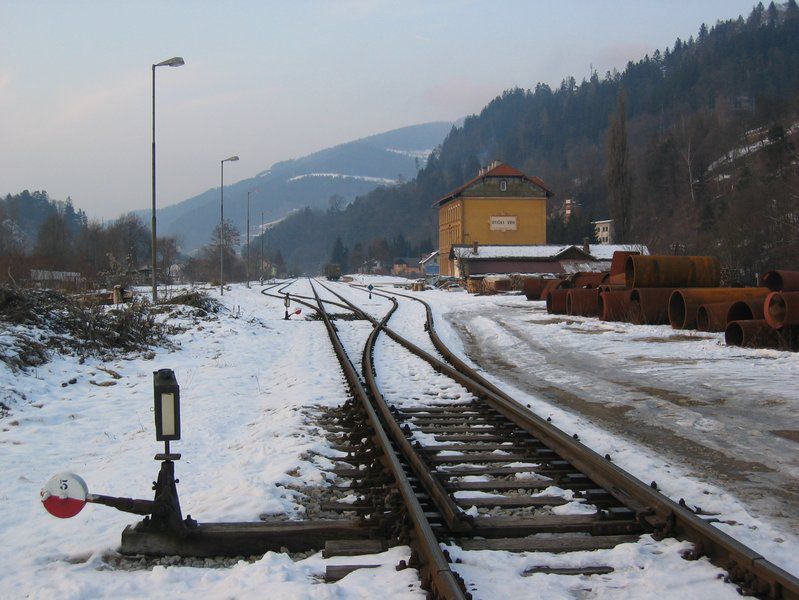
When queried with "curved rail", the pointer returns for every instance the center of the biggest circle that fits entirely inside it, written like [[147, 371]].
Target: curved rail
[[440, 579], [751, 571]]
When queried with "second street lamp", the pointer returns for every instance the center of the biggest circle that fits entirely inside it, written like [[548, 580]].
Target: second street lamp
[[222, 224], [256, 190], [172, 62]]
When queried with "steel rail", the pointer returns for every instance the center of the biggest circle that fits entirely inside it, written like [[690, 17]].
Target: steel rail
[[458, 521], [301, 299], [442, 581], [746, 567]]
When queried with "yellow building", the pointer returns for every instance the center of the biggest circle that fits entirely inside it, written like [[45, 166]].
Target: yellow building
[[501, 205]]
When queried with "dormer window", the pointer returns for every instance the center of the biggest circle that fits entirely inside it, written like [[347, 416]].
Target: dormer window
[[503, 186]]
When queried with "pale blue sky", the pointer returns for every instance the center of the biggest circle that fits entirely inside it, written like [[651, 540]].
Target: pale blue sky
[[275, 80]]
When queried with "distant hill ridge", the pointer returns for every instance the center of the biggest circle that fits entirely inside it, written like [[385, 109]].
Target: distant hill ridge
[[347, 170]]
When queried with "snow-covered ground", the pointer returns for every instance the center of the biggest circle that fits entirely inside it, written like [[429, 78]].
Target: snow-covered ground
[[246, 380], [250, 381], [715, 425]]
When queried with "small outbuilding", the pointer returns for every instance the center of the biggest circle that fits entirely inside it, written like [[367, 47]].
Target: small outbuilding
[[475, 259]]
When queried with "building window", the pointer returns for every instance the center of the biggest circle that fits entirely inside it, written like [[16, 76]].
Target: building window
[[503, 186]]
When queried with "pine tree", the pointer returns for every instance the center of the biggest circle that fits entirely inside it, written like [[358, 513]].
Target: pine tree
[[280, 264], [339, 255], [618, 176]]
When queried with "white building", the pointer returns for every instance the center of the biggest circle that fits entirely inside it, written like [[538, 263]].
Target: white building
[[604, 231]]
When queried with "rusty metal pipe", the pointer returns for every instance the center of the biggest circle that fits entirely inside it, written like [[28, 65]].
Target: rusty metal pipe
[[588, 280], [684, 303], [619, 262], [556, 302], [607, 287], [672, 271], [713, 316], [745, 310], [781, 281], [582, 302], [533, 286], [752, 334], [615, 306], [781, 309], [551, 286], [650, 306]]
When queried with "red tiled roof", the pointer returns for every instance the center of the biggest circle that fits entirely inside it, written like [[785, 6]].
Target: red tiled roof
[[501, 170]]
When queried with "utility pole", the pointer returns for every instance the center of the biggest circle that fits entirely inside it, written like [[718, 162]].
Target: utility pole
[[247, 265], [263, 235]]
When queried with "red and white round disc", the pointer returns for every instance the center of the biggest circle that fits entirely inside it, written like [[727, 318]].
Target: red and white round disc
[[64, 495]]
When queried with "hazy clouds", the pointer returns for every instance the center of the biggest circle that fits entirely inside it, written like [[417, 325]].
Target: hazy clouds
[[270, 81]]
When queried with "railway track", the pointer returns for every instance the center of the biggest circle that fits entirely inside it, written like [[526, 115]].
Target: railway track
[[477, 470]]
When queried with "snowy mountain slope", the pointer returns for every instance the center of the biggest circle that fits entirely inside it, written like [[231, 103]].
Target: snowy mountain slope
[[347, 170]]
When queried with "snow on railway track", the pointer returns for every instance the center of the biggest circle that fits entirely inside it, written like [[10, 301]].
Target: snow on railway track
[[414, 408]]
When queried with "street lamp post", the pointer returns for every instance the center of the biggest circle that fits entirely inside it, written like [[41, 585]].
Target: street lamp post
[[247, 265], [263, 235], [222, 224], [177, 61]]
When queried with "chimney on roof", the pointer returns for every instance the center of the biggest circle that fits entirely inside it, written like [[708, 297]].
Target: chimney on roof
[[492, 165], [475, 245], [586, 246]]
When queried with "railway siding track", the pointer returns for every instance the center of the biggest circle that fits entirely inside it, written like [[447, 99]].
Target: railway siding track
[[627, 506], [436, 574]]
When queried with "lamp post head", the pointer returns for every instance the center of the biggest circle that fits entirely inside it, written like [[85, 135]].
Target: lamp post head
[[176, 61], [231, 159]]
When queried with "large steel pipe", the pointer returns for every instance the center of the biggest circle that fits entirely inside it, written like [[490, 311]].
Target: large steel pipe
[[781, 309], [713, 316], [556, 302], [582, 302], [615, 306], [619, 261], [589, 280], [684, 303], [650, 306], [752, 334], [606, 287], [781, 281], [552, 285], [533, 286], [672, 271], [745, 310]]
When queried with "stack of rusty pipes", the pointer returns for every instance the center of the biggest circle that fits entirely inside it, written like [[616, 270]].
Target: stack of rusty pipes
[[774, 321], [581, 294]]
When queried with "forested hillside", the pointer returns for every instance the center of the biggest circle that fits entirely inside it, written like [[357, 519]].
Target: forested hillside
[[30, 221], [703, 153]]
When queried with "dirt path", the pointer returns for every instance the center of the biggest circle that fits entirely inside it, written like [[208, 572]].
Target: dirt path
[[675, 402]]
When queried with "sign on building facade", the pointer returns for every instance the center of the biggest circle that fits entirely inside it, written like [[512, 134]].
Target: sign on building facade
[[504, 223]]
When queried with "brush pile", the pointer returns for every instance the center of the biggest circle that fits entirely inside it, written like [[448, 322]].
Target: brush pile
[[36, 323]]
